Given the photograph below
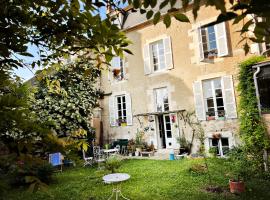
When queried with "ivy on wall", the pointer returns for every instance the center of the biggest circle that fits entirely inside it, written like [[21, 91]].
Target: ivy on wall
[[252, 128]]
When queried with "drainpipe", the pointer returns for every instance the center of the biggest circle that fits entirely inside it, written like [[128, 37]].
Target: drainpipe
[[256, 87]]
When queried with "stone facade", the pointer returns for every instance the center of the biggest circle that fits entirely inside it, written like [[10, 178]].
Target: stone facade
[[179, 80]]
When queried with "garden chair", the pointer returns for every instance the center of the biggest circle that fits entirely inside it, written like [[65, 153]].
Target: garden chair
[[56, 160], [98, 156], [124, 151], [87, 160]]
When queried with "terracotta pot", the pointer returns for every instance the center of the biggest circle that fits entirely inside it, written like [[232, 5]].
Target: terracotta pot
[[237, 187]]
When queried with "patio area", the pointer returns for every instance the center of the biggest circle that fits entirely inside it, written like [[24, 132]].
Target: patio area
[[150, 179]]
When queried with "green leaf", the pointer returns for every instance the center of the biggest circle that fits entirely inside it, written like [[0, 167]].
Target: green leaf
[[163, 4], [146, 3], [156, 17], [181, 17], [128, 51], [149, 14], [246, 48], [136, 3], [167, 20], [26, 54], [153, 3]]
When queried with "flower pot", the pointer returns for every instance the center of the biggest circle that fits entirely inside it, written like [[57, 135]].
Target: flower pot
[[137, 153], [237, 187]]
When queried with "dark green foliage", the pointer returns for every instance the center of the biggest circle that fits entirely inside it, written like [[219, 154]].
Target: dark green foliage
[[113, 163], [66, 98], [252, 129]]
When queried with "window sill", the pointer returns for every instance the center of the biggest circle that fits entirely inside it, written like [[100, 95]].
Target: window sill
[[160, 72]]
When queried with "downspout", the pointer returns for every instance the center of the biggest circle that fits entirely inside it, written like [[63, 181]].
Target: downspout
[[256, 87]]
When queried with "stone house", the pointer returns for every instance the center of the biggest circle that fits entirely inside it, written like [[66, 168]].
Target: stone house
[[187, 67]]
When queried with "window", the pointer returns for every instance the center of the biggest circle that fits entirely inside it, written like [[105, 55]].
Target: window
[[209, 41], [158, 57], [162, 101], [121, 109], [117, 64], [222, 145], [212, 41], [213, 98], [263, 81]]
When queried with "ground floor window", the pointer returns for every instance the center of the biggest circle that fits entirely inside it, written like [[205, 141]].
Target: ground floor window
[[221, 144]]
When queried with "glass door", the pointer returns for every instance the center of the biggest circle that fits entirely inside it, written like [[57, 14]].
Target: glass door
[[168, 131]]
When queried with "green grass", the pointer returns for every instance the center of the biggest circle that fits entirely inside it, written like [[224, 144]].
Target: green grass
[[150, 179]]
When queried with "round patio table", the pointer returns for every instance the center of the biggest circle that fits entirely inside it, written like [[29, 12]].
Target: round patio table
[[116, 180]]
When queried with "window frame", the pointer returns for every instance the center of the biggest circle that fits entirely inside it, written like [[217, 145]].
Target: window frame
[[214, 97], [121, 75], [220, 146], [122, 112], [208, 51], [151, 45], [164, 105]]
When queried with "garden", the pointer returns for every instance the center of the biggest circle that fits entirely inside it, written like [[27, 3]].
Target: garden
[[150, 179]]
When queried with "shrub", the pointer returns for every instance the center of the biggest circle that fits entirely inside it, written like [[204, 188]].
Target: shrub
[[198, 169], [113, 163]]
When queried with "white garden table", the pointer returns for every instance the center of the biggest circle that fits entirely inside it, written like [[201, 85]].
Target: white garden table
[[110, 151], [116, 180]]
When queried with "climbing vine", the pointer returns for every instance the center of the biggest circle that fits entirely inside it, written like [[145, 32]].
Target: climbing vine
[[252, 128]]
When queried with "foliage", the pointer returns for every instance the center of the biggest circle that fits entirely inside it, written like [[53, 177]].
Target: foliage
[[139, 139], [182, 141], [57, 29], [68, 109], [252, 128], [236, 10], [213, 151], [198, 169], [113, 163]]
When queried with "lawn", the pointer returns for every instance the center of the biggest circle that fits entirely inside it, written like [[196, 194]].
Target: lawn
[[150, 179]]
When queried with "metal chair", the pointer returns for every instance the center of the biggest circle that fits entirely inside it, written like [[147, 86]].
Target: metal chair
[[87, 160], [124, 151], [98, 156]]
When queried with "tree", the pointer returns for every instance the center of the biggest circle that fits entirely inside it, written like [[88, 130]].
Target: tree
[[58, 28], [238, 10], [66, 98]]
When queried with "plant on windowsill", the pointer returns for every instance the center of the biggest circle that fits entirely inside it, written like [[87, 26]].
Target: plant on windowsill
[[121, 122], [209, 118], [212, 54]]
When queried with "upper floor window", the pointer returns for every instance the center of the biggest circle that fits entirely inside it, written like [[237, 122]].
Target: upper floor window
[[157, 56], [263, 82], [213, 41], [118, 71], [120, 110], [162, 100], [214, 98]]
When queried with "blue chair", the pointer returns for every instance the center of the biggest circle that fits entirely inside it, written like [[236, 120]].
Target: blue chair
[[56, 159]]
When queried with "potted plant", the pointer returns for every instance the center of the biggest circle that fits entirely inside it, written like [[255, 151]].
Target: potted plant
[[139, 142], [113, 163], [238, 171], [184, 146]]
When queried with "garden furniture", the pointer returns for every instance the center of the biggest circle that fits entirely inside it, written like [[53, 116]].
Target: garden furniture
[[87, 160], [98, 156], [116, 180], [56, 159], [111, 152]]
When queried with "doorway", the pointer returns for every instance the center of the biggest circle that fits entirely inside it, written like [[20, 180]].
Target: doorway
[[165, 131]]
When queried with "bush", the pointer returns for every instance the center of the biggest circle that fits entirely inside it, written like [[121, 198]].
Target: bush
[[113, 163], [198, 169]]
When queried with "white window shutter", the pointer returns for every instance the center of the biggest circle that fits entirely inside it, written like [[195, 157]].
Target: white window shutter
[[221, 38], [112, 111], [201, 53], [129, 110], [146, 59], [168, 52], [198, 99], [229, 97]]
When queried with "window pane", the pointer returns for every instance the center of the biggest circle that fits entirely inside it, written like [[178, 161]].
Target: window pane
[[123, 98], [217, 83], [124, 113], [225, 141], [210, 103], [167, 118], [169, 134], [212, 45], [218, 93], [168, 127], [211, 29], [264, 89], [219, 102], [214, 142]]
